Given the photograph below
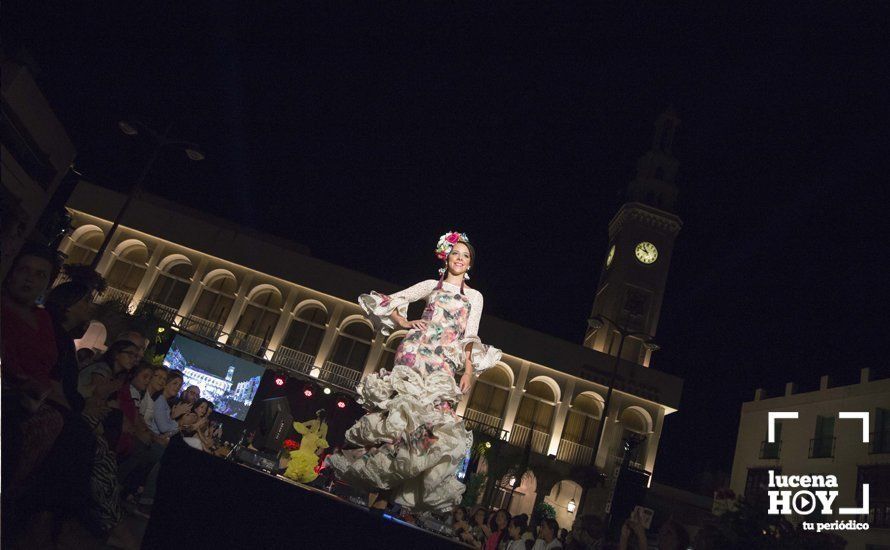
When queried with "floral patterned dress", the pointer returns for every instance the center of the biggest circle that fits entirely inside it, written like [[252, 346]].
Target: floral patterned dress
[[411, 441]]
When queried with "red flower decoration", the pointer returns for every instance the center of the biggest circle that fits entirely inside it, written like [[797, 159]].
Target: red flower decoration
[[291, 445]]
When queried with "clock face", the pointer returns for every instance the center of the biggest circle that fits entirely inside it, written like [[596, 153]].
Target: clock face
[[646, 252], [610, 256]]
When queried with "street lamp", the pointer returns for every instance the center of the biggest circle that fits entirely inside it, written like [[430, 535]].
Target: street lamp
[[134, 128], [596, 323]]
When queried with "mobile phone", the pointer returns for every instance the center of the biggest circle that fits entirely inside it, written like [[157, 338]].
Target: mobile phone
[[643, 515]]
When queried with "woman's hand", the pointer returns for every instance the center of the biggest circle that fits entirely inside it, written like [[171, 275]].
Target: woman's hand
[[465, 382], [179, 409]]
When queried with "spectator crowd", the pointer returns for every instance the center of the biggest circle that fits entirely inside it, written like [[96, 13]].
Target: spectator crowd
[[83, 434]]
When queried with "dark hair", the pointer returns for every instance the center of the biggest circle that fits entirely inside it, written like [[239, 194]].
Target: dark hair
[[36, 250], [552, 524], [680, 531], [62, 297], [173, 374], [116, 349], [484, 515], [520, 522], [460, 509], [199, 402], [141, 367]]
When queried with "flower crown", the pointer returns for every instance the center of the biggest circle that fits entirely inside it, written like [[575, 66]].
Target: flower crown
[[447, 242]]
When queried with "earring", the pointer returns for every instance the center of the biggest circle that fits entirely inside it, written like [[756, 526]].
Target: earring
[[467, 275]]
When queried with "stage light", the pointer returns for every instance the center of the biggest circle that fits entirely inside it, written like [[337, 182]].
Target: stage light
[[488, 444], [327, 391], [308, 392], [512, 481], [280, 380], [341, 403]]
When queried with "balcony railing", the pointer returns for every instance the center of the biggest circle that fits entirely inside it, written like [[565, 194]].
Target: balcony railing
[[162, 312], [822, 447], [574, 453], [484, 423], [770, 450], [340, 375], [293, 360], [112, 294], [247, 343], [520, 435], [201, 327], [878, 443]]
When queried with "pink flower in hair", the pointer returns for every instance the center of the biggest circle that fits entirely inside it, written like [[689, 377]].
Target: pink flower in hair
[[453, 238]]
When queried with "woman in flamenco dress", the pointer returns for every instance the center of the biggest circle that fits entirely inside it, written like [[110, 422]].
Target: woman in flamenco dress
[[410, 444]]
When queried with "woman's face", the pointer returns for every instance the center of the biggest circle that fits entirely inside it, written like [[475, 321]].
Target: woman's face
[[127, 358], [81, 311], [142, 379], [479, 517], [459, 515], [513, 531], [202, 410], [158, 379], [172, 387], [501, 519], [459, 259]]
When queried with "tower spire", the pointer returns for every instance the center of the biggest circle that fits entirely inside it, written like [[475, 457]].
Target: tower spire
[[657, 168]]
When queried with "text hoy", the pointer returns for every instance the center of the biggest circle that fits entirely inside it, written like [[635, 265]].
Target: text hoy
[[805, 502]]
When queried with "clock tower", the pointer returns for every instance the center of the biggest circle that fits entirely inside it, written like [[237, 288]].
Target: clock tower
[[641, 240]]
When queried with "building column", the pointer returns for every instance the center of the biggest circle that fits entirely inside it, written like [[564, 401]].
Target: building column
[[237, 308], [374, 354], [559, 419], [330, 335], [188, 303], [515, 397], [151, 275], [611, 433], [66, 244], [652, 442], [283, 323], [108, 257]]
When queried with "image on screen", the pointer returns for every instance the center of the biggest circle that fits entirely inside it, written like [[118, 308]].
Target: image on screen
[[229, 382]]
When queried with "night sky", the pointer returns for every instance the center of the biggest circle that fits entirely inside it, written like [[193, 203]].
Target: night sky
[[365, 134]]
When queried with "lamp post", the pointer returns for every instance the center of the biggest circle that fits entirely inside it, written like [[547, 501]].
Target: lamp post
[[597, 323], [133, 128]]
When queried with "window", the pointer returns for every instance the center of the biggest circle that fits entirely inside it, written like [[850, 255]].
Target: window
[[822, 444], [878, 479], [84, 249], [307, 330], [353, 346], [771, 450], [128, 269], [216, 299], [536, 407], [880, 439], [261, 315], [756, 486], [388, 357], [582, 421], [172, 286], [490, 393]]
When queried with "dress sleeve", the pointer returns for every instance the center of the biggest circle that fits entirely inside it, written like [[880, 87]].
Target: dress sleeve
[[378, 307], [482, 356]]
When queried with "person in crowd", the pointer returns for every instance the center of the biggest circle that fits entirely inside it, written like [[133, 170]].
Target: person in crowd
[[155, 388], [138, 339], [563, 535], [498, 525], [38, 421], [710, 537], [479, 526], [129, 399], [108, 374], [189, 396], [672, 536], [587, 533], [517, 531], [85, 356], [547, 539], [459, 518], [195, 425], [162, 422]]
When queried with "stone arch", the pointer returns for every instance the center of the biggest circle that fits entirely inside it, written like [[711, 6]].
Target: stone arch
[[173, 260], [559, 496], [262, 289], [589, 402], [127, 245], [355, 319], [84, 230], [311, 302], [551, 383], [217, 273], [636, 419]]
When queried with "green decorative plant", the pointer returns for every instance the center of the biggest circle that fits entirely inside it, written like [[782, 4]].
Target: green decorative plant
[[544, 510], [474, 486]]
